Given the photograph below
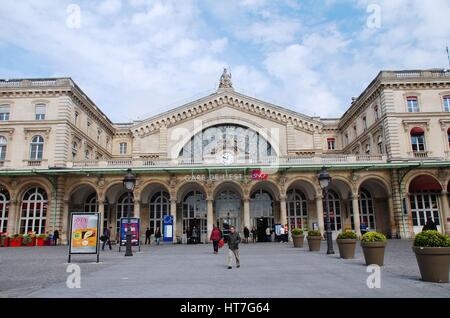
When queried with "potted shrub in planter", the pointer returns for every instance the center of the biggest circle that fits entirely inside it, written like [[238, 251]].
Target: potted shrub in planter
[[432, 251], [40, 239], [4, 240], [373, 245], [314, 240], [346, 242], [15, 240], [297, 237], [28, 240]]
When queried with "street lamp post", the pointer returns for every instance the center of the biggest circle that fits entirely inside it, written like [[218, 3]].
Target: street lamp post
[[324, 181], [129, 181]]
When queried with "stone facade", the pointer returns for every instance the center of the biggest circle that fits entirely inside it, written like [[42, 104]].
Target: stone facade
[[228, 158]]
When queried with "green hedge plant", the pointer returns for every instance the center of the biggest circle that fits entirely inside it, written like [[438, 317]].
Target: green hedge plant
[[431, 239], [297, 231], [314, 233], [373, 237], [347, 235]]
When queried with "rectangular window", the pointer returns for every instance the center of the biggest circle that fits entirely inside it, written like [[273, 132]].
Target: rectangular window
[[375, 112], [331, 142], [123, 148], [446, 103], [2, 152], [413, 104], [4, 112], [365, 122], [418, 143], [40, 112], [77, 115], [355, 131]]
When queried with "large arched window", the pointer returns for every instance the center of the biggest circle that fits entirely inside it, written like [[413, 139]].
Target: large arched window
[[297, 209], [3, 145], [91, 204], [159, 207], [366, 210], [4, 209], [34, 211], [36, 148], [194, 212], [244, 143], [334, 207], [122, 209], [417, 139]]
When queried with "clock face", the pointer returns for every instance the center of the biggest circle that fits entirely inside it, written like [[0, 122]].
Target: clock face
[[227, 158]]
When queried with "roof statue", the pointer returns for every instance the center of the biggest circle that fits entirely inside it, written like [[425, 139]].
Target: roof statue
[[225, 80]]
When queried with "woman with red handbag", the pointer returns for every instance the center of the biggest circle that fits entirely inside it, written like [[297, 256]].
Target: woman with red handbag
[[216, 236]]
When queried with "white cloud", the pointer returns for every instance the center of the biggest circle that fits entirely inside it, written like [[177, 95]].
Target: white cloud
[[110, 7]]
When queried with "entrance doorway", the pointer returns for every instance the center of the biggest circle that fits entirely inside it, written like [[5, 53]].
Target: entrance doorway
[[261, 225], [261, 212], [227, 207]]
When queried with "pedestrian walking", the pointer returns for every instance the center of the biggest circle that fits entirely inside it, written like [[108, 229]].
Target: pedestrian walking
[[216, 236], [286, 233], [246, 234], [157, 235], [254, 234], [233, 247], [194, 235], [148, 234], [268, 235], [281, 239], [55, 237], [107, 238]]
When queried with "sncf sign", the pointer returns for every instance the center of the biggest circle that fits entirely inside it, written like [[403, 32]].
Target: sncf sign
[[257, 174]]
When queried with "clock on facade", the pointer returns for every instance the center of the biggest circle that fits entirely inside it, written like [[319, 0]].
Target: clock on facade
[[227, 158]]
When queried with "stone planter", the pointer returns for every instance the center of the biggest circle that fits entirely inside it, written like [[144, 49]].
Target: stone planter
[[346, 248], [374, 252], [298, 240], [314, 243], [433, 263]]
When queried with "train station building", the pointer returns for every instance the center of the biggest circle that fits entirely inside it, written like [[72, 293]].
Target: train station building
[[228, 159]]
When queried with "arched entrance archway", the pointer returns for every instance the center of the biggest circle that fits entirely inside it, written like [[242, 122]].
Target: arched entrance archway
[[194, 213], [424, 201], [262, 212], [4, 209]]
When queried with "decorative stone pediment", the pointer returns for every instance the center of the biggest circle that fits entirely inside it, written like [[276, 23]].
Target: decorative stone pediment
[[227, 99]]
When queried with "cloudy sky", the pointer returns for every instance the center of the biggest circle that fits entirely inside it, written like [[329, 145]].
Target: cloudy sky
[[136, 58]]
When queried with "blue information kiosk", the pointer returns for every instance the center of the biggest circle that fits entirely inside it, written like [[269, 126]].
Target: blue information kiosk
[[168, 228]]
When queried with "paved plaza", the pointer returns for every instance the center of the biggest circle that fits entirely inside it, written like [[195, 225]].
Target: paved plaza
[[172, 271]]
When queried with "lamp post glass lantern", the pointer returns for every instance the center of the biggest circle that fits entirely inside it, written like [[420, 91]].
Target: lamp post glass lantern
[[129, 181], [324, 181]]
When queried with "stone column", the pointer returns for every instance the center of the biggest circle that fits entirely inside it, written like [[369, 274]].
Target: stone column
[[247, 213], [283, 212], [137, 208], [445, 212], [319, 209], [65, 223], [101, 211], [356, 220], [391, 211], [209, 218], [13, 218], [173, 213]]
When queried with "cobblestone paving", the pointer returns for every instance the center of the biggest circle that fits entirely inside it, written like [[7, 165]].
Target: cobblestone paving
[[268, 270]]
